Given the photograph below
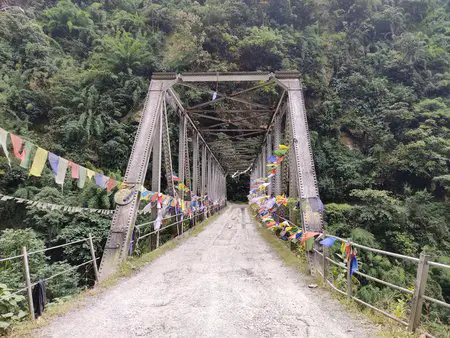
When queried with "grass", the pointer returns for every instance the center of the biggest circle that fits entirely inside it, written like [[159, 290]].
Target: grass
[[297, 260], [128, 268]]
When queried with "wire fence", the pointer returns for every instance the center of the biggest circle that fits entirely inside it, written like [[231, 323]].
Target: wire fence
[[29, 284]]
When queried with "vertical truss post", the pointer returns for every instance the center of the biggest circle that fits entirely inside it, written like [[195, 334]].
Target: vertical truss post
[[167, 153], [116, 249], [181, 147], [264, 161], [261, 165], [285, 167], [208, 180], [156, 173], [156, 157], [195, 164], [204, 173], [276, 141], [187, 169], [268, 154]]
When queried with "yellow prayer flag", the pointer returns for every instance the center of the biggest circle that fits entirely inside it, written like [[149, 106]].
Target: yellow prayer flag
[[40, 158], [90, 173]]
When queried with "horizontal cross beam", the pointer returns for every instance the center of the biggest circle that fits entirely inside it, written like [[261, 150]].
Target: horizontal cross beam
[[231, 130]]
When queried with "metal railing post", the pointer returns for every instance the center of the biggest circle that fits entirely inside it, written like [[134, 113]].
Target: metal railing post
[[28, 282], [324, 263], [94, 259], [349, 276], [419, 290]]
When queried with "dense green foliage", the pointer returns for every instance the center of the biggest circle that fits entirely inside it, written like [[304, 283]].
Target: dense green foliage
[[73, 75]]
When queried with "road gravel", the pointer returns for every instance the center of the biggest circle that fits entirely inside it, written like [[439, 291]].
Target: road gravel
[[225, 282]]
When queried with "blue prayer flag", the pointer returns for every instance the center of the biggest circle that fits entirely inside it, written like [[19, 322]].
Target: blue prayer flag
[[329, 241]]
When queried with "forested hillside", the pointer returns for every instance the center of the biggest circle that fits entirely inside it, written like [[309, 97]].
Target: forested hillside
[[74, 74]]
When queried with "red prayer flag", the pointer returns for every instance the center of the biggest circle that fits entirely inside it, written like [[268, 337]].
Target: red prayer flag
[[75, 170], [110, 184], [17, 144], [308, 235], [279, 159]]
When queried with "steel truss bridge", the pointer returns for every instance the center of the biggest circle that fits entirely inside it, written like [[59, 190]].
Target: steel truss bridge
[[243, 118]]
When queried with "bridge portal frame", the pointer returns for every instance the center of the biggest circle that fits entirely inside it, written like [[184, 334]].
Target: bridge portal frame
[[208, 174]]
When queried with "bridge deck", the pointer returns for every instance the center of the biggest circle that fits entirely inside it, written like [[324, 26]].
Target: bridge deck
[[224, 282]]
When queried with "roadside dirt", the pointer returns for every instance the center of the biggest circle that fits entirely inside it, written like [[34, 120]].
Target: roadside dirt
[[225, 282]]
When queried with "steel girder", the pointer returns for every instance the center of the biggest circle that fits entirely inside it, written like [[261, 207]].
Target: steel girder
[[116, 249]]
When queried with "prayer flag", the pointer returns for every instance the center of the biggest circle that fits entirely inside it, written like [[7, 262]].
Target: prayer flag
[[308, 235], [309, 243], [53, 159], [90, 173], [353, 265], [26, 155], [62, 169], [82, 176], [4, 143], [272, 159], [329, 241], [75, 170], [17, 144], [343, 248], [101, 180], [110, 184], [316, 204], [40, 158]]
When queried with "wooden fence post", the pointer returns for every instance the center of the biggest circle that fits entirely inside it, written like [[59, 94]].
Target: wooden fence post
[[349, 276], [94, 259], [28, 282], [419, 290]]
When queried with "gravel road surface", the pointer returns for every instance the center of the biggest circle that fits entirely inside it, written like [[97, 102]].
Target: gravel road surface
[[225, 282]]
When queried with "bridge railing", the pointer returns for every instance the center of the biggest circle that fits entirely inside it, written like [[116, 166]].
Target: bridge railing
[[27, 275], [322, 261], [196, 217], [418, 293]]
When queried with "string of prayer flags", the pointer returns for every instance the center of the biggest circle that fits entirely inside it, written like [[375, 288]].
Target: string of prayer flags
[[4, 144], [51, 206], [329, 241], [24, 150], [40, 158], [175, 178]]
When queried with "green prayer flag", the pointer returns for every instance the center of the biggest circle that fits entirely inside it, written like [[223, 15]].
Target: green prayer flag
[[82, 179], [26, 160], [309, 244]]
